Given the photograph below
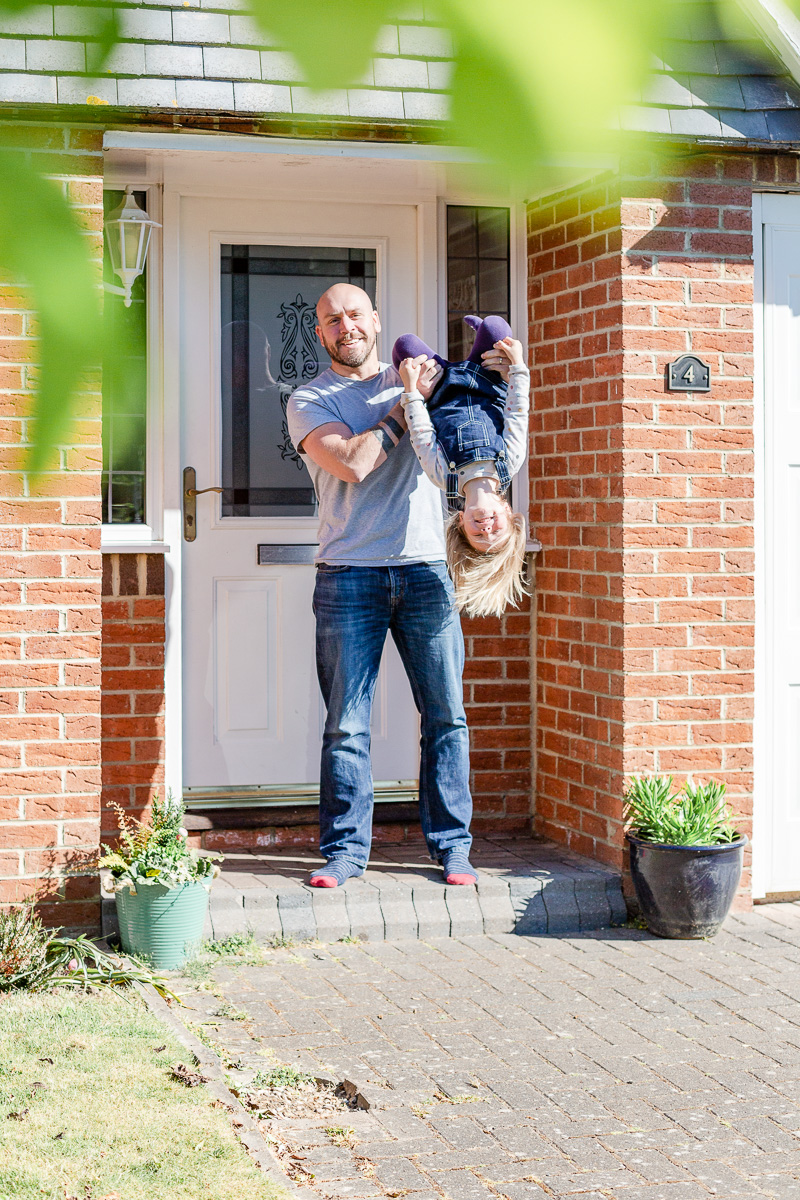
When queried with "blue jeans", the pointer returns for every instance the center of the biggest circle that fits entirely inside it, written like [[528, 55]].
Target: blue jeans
[[355, 607]]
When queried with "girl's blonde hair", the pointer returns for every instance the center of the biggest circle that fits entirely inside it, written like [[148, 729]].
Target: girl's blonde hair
[[486, 583]]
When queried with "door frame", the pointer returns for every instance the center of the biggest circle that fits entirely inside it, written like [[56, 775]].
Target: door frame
[[207, 165], [764, 808], [762, 815]]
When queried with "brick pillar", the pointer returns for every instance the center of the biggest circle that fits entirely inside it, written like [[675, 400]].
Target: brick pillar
[[687, 279], [643, 498], [133, 684], [50, 589]]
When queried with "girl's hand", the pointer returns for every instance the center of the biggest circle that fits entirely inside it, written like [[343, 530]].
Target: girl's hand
[[410, 370], [429, 377], [504, 354]]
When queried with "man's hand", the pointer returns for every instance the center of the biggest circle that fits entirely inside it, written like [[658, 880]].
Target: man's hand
[[430, 375], [506, 353]]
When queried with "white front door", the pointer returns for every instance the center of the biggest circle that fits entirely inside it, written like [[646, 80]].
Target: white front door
[[780, 755], [251, 272]]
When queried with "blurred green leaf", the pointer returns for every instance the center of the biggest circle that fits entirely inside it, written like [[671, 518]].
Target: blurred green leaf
[[332, 43], [532, 78], [42, 247], [541, 78]]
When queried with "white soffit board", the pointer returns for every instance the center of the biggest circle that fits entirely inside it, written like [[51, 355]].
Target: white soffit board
[[461, 171], [255, 144]]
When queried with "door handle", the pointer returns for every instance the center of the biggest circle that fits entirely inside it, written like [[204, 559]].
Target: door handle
[[190, 494]]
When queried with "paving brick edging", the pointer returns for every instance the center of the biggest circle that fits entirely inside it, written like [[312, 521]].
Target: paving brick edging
[[244, 1125]]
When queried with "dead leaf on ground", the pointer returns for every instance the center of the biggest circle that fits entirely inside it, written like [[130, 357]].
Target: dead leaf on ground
[[47, 1060], [19, 1116], [156, 1050], [187, 1076], [59, 1136]]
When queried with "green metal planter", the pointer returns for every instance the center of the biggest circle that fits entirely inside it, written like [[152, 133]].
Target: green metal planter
[[162, 924]]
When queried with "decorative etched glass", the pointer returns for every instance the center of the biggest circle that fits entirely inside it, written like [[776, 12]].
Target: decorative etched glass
[[269, 348]]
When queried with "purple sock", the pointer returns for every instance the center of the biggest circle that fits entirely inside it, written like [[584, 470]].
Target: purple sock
[[337, 870], [408, 345], [487, 332]]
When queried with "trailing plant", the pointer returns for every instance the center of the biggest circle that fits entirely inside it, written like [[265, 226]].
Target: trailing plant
[[155, 851], [35, 959], [695, 815]]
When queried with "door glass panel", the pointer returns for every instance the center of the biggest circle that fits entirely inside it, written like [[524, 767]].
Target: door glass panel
[[269, 348], [478, 255], [124, 392]]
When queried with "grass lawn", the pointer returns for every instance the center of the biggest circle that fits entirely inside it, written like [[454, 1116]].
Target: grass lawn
[[104, 1120]]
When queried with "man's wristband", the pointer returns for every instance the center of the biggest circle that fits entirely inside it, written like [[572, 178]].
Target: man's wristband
[[393, 426], [385, 438]]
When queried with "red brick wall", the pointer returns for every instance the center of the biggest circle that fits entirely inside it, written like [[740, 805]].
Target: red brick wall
[[50, 594], [498, 702], [133, 684], [642, 497]]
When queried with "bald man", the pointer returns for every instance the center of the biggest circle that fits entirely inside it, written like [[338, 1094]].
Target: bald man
[[380, 569]]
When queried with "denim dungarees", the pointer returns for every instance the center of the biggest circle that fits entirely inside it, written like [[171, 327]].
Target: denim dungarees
[[467, 411]]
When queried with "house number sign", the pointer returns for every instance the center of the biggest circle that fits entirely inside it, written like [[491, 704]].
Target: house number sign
[[689, 374]]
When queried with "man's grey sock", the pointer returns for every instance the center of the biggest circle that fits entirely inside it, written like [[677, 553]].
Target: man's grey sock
[[336, 872], [457, 867]]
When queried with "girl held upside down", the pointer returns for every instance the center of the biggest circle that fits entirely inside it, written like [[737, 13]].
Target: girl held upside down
[[468, 424]]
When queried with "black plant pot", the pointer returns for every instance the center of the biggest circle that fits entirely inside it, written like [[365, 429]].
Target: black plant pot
[[685, 891]]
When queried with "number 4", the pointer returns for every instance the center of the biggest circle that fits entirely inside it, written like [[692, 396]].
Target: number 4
[[688, 375]]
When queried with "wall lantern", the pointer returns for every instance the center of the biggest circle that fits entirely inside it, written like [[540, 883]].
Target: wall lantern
[[128, 230]]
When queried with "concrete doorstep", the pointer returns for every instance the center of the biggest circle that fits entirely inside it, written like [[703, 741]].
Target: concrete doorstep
[[524, 887]]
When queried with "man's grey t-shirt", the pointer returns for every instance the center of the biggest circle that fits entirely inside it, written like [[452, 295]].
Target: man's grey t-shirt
[[394, 516]]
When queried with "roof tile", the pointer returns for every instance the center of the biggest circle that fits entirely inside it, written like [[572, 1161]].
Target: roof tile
[[697, 122], [198, 28], [29, 21], [204, 93], [761, 92], [146, 93], [27, 89], [784, 126], [76, 89], [55, 55], [716, 91], [750, 125], [668, 89], [262, 97], [693, 58], [228, 62], [173, 60], [328, 103]]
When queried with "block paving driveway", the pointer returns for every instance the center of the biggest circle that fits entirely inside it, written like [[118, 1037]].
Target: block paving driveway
[[608, 1064]]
